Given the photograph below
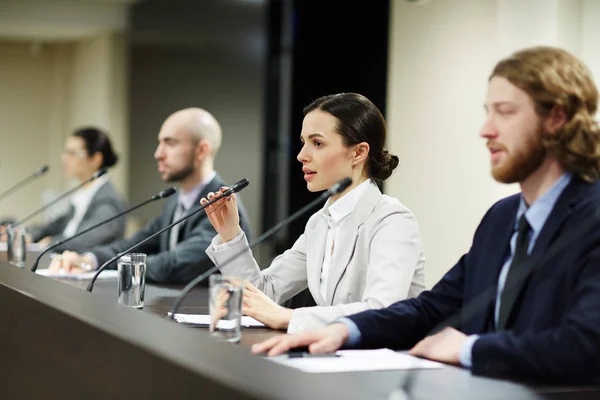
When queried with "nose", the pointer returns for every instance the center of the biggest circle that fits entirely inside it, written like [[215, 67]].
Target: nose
[[303, 156], [158, 153], [488, 129]]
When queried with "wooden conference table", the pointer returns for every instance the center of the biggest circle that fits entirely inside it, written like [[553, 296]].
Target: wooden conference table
[[59, 342]]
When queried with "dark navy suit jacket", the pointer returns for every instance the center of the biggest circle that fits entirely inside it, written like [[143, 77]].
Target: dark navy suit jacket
[[553, 333]]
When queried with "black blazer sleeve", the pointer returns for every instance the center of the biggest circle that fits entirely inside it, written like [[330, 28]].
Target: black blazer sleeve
[[568, 353], [403, 324]]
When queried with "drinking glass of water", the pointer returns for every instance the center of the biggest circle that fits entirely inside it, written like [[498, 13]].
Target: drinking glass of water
[[225, 305], [132, 279], [16, 245]]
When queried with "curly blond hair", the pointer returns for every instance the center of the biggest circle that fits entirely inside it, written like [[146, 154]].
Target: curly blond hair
[[554, 78]]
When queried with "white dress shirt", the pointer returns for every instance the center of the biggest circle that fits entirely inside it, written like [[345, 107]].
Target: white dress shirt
[[81, 201], [336, 214]]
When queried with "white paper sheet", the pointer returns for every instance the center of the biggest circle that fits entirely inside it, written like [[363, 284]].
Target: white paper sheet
[[106, 274], [204, 320], [357, 360], [30, 246]]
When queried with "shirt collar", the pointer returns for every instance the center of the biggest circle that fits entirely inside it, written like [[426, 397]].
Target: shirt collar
[[540, 210], [343, 206], [188, 199], [85, 195]]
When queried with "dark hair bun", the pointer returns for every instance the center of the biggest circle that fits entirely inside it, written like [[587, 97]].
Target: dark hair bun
[[96, 141], [383, 166]]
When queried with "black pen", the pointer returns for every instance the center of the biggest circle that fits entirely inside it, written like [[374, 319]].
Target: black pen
[[300, 354]]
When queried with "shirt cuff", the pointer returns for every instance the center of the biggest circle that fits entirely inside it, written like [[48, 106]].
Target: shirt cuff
[[354, 334], [218, 245], [466, 351], [94, 263]]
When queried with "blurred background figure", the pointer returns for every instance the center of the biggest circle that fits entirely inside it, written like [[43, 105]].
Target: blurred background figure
[[86, 151]]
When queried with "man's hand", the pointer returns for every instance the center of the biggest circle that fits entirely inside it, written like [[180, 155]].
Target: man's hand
[[69, 262], [443, 346], [324, 340]]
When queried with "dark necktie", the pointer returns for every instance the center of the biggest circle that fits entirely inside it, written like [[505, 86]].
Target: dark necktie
[[516, 274]]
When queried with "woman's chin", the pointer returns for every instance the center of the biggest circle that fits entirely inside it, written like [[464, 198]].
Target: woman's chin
[[312, 187]]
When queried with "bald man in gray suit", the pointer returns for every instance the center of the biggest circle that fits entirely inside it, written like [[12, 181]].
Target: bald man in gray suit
[[188, 143]]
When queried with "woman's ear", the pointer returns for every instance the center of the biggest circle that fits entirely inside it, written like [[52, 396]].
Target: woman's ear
[[97, 160], [360, 153]]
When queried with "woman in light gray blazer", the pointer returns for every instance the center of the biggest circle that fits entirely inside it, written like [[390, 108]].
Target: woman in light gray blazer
[[86, 151], [361, 251]]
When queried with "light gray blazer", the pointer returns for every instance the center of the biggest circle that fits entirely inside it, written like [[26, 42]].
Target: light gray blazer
[[105, 203], [378, 261]]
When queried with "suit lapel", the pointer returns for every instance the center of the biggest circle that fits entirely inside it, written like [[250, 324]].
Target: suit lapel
[[345, 243], [213, 186], [167, 219], [494, 259], [565, 203], [96, 199]]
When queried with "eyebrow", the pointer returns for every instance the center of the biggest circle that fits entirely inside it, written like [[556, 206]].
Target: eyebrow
[[313, 135], [499, 103]]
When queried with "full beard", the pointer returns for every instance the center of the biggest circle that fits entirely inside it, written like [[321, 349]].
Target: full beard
[[517, 167], [180, 175]]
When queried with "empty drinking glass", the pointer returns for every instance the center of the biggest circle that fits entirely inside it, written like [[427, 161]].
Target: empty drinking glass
[[225, 305], [132, 279], [16, 246]]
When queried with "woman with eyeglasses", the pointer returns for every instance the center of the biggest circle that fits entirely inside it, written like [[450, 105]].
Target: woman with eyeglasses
[[86, 151]]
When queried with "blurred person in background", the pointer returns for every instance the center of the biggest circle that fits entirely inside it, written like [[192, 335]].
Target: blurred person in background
[[86, 151], [188, 142]]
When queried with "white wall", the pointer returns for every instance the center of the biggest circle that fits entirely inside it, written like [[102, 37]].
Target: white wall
[[441, 55], [98, 95], [63, 64], [26, 84]]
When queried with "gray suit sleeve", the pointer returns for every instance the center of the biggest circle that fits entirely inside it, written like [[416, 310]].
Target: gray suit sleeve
[[103, 234], [53, 228], [186, 261], [104, 253]]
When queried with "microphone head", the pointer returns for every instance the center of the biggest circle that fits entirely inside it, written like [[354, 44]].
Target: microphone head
[[164, 193], [340, 186], [42, 170], [239, 185], [99, 173]]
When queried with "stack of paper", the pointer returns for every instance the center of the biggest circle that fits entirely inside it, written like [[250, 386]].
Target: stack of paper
[[106, 274], [203, 320], [356, 360]]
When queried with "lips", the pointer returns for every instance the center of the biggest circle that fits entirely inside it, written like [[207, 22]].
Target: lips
[[496, 150], [495, 153], [308, 173]]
